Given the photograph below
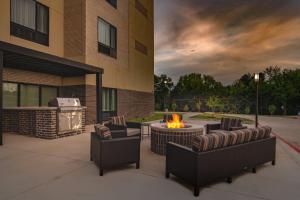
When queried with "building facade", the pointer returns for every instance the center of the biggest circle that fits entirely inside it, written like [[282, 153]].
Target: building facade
[[115, 35]]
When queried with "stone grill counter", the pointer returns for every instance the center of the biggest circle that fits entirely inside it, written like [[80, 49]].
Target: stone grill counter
[[41, 122], [160, 136]]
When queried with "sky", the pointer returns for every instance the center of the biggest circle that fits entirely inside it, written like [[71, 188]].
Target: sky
[[225, 38]]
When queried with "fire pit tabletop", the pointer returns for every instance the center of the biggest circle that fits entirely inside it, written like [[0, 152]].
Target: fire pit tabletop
[[188, 127]]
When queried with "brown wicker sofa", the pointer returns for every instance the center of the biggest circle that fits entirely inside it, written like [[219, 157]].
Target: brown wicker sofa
[[220, 156]]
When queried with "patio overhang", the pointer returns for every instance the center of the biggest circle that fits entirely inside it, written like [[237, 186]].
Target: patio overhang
[[13, 56]]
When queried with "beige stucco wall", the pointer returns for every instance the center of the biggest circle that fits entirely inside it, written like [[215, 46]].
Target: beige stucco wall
[[131, 70], [56, 39]]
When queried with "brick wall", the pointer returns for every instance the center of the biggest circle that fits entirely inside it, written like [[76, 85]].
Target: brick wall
[[135, 104], [38, 123]]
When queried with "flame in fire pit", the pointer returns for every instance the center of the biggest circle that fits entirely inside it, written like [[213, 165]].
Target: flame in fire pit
[[175, 123]]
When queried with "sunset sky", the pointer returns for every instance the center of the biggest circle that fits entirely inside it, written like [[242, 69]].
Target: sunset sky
[[225, 38]]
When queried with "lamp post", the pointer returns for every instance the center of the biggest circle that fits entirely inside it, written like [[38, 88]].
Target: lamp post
[[256, 78], [165, 82]]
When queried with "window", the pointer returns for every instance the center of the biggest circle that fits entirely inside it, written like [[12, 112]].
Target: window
[[26, 95], [29, 95], [10, 95], [30, 21], [107, 38], [48, 93], [112, 2], [109, 99]]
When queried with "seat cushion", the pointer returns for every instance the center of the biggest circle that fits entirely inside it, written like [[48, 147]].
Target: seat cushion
[[103, 131], [133, 131], [118, 120]]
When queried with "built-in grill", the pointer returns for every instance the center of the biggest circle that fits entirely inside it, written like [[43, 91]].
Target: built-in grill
[[69, 114]]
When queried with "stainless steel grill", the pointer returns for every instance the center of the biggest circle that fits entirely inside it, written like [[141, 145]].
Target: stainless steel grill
[[69, 114]]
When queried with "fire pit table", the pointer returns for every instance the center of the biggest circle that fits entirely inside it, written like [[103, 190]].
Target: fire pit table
[[161, 135]]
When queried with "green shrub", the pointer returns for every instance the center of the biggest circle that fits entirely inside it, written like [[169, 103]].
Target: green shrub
[[247, 110], [186, 108], [198, 106], [174, 106], [272, 108], [157, 106]]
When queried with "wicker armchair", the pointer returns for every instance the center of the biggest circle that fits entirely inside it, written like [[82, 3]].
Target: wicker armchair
[[125, 128], [226, 124], [118, 151]]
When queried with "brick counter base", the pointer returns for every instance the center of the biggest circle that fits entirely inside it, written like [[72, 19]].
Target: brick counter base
[[161, 136], [36, 123]]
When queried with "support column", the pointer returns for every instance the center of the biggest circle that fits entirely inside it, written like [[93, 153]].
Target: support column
[[99, 97], [1, 97]]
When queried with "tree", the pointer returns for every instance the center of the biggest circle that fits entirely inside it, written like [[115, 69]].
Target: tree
[[162, 89], [272, 109], [214, 102]]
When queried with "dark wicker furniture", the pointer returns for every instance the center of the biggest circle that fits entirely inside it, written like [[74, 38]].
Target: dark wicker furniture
[[115, 152], [201, 168], [231, 124], [130, 129]]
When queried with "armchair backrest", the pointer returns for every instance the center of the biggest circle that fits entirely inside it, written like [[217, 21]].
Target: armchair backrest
[[227, 123], [118, 120]]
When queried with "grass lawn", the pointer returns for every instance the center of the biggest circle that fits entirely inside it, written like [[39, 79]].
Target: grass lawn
[[153, 117], [217, 117]]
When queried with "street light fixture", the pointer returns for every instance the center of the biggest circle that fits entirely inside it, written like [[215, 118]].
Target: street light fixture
[[256, 79], [165, 82]]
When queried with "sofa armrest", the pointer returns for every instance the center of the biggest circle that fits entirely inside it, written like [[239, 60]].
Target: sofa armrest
[[210, 127], [133, 125], [181, 161], [120, 151], [237, 128]]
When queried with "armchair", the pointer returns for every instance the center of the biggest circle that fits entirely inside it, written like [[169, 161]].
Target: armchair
[[110, 153], [227, 124]]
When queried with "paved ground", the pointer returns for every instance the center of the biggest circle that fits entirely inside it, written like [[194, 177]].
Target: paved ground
[[36, 169]]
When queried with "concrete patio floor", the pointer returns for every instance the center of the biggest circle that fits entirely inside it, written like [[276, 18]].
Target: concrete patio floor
[[36, 169]]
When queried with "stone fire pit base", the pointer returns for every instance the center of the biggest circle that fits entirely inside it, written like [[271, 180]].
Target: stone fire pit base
[[160, 136]]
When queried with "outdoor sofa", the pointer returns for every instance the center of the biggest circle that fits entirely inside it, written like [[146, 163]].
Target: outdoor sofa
[[114, 149], [226, 124], [220, 156]]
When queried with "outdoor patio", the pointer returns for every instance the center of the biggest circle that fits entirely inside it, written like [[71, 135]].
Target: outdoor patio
[[33, 168]]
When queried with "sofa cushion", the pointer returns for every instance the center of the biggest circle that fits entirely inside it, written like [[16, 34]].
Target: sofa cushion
[[261, 132], [211, 141], [227, 123], [222, 139], [103, 131], [133, 131], [118, 120]]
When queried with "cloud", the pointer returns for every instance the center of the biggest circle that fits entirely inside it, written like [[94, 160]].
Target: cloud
[[225, 38]]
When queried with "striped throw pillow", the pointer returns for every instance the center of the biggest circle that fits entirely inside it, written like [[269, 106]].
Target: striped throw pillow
[[103, 131], [118, 120]]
